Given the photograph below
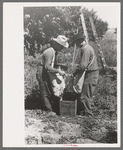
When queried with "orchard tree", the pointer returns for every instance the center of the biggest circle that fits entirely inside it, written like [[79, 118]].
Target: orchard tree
[[42, 23]]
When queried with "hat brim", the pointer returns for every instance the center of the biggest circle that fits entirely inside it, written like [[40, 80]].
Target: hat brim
[[59, 42]]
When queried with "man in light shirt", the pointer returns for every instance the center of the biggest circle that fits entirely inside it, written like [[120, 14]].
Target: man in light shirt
[[91, 76]]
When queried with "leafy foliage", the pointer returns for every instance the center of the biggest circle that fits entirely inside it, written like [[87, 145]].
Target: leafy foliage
[[42, 23], [105, 94]]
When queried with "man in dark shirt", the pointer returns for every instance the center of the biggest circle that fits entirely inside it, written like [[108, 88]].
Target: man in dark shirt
[[91, 75]]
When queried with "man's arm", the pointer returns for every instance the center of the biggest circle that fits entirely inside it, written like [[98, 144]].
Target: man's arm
[[48, 57], [84, 62], [85, 59]]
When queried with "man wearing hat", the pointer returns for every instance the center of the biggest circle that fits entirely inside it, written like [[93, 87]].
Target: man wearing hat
[[47, 95], [89, 63]]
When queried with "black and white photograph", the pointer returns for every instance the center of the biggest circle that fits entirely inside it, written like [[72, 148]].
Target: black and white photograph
[[69, 81]]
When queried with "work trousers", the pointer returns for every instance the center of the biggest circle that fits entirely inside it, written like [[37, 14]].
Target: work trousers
[[50, 102], [90, 82]]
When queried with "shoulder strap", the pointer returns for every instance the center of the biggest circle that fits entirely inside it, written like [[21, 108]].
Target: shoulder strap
[[53, 59], [90, 63]]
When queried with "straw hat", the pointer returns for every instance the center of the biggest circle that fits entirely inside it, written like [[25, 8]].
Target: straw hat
[[62, 40]]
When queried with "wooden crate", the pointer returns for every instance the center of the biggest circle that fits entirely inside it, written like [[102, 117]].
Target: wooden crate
[[68, 108]]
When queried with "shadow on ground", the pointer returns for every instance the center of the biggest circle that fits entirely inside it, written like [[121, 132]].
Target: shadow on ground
[[33, 101]]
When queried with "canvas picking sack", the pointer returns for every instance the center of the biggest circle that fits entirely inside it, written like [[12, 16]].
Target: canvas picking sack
[[78, 82], [57, 81], [79, 79]]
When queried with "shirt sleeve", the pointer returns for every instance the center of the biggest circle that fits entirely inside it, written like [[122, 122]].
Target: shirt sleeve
[[85, 59], [85, 54], [48, 56]]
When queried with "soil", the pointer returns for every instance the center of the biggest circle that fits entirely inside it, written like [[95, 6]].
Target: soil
[[41, 128]]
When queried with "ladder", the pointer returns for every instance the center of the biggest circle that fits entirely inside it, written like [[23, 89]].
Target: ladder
[[84, 26], [95, 35], [97, 42]]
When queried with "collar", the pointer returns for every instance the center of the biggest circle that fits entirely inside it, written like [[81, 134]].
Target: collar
[[85, 46]]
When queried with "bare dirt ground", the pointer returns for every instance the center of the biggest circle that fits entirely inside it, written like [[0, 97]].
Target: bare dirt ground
[[41, 128]]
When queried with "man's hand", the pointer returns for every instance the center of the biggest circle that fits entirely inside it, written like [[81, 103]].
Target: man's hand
[[62, 73], [72, 75]]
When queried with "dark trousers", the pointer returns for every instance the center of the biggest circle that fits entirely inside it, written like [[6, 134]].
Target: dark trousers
[[90, 82], [50, 102], [44, 90]]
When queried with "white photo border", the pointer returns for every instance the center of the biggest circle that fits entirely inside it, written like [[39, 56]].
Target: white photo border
[[13, 74]]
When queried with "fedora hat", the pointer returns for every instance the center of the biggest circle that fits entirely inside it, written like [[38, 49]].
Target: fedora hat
[[77, 37], [62, 40]]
